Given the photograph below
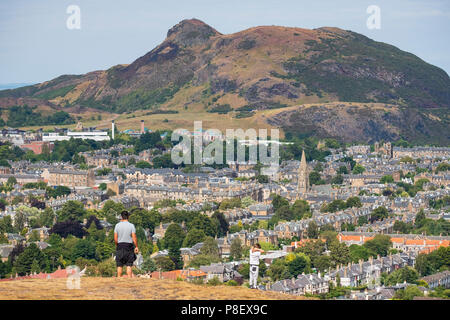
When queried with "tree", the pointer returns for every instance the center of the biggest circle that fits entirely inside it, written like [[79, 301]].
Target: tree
[[408, 294], [174, 236], [278, 201], [338, 179], [322, 263], [102, 186], [203, 222], [408, 274], [200, 260], [362, 220], [34, 236], [193, 237], [6, 224], [57, 191], [16, 251], [47, 217], [339, 253], [353, 202], [210, 248], [313, 230], [236, 248], [379, 213], [83, 248], [111, 210], [262, 178], [380, 244], [262, 268], [298, 265], [3, 237], [149, 265], [420, 219], [402, 227], [148, 140], [300, 209], [358, 169], [222, 223], [284, 213], [71, 210], [25, 260], [175, 256], [11, 181], [342, 170], [359, 252], [387, 179], [143, 164], [20, 220], [68, 227], [37, 204], [145, 219], [104, 250], [244, 270], [278, 270], [314, 178], [329, 235], [230, 203], [164, 263], [247, 201]]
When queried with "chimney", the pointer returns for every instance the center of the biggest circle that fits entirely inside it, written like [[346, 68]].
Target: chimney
[[112, 129], [142, 126]]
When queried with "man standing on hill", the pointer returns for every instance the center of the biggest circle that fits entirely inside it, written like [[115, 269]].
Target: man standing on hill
[[255, 253], [124, 237]]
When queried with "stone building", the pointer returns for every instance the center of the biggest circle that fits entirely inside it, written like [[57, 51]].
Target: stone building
[[69, 178]]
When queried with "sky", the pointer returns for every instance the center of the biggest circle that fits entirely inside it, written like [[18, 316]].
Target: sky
[[36, 45]]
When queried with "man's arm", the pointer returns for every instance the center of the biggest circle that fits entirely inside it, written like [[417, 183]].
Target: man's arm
[[116, 238], [133, 235]]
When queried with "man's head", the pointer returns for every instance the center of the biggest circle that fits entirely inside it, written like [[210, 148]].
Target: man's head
[[257, 245], [125, 215]]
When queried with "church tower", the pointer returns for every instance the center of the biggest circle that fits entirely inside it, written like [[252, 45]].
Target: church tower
[[303, 181]]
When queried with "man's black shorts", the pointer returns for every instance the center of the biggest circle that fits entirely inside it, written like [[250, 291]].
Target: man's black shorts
[[125, 254]]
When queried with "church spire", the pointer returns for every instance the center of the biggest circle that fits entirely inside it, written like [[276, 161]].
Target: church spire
[[303, 183], [303, 162]]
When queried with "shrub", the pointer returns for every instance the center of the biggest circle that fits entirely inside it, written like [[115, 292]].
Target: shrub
[[232, 283], [106, 268], [214, 282]]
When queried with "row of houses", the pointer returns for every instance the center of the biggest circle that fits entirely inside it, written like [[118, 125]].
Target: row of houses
[[416, 243], [352, 275]]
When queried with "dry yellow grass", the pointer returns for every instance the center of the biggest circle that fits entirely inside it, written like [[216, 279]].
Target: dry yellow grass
[[125, 289]]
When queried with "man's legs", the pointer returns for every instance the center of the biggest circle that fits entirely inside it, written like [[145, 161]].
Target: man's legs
[[129, 272], [253, 276], [119, 272]]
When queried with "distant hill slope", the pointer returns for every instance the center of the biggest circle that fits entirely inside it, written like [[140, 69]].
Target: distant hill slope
[[129, 289], [259, 68]]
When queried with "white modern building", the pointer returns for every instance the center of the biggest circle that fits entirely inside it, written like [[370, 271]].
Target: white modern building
[[96, 135]]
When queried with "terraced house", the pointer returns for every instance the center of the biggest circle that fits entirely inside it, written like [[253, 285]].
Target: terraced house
[[69, 178], [369, 272], [303, 284]]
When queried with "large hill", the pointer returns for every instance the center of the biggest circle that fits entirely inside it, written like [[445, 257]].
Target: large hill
[[196, 69]]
